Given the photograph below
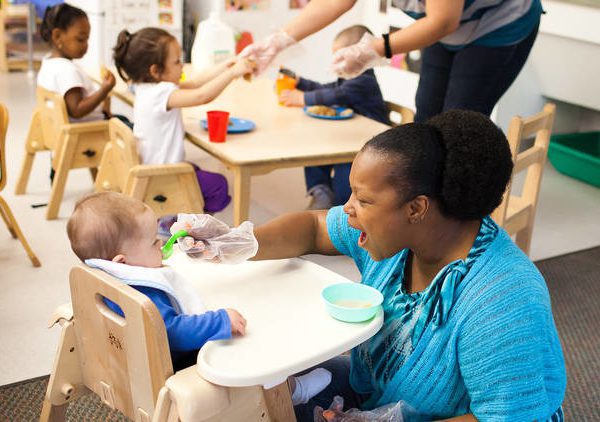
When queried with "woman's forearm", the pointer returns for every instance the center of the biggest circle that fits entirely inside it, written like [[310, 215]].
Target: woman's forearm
[[442, 19], [316, 15], [293, 235]]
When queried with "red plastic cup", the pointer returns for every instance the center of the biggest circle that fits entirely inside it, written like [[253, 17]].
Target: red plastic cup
[[218, 122]]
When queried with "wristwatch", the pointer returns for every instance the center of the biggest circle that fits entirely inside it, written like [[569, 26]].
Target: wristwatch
[[386, 46]]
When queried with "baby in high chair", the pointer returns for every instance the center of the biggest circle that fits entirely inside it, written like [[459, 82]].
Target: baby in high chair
[[117, 234]]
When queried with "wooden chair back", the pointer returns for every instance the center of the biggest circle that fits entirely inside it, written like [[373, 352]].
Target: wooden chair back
[[516, 213], [396, 110], [53, 116], [166, 188], [125, 360], [119, 157]]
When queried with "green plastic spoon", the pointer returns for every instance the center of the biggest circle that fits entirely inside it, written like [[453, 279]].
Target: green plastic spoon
[[167, 249]]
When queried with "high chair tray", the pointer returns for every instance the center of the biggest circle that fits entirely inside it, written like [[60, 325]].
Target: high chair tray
[[288, 328], [236, 125]]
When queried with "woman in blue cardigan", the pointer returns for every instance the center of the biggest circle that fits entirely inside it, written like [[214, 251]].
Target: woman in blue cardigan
[[468, 332]]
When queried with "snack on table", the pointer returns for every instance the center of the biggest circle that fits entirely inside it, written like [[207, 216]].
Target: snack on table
[[346, 112], [321, 110]]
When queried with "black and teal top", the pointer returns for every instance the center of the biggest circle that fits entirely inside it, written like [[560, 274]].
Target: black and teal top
[[491, 23]]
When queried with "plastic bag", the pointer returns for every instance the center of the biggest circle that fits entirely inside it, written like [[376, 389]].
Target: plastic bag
[[211, 239], [394, 412]]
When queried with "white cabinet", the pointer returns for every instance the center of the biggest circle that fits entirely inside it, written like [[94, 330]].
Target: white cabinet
[[566, 55]]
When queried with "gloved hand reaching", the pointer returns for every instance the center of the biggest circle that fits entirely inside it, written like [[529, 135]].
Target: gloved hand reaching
[[351, 61], [211, 239], [262, 53]]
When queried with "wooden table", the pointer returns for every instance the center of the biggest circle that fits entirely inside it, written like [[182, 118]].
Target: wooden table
[[288, 328], [284, 136]]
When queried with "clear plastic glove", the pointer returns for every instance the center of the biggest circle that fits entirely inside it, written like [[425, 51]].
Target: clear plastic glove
[[351, 61], [394, 412], [211, 239], [262, 53]]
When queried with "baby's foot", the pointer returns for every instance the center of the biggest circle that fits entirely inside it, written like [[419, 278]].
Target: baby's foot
[[309, 385]]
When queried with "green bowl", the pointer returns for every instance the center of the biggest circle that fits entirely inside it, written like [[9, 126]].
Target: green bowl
[[352, 302]]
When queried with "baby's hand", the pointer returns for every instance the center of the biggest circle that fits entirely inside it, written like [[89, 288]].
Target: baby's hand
[[243, 67], [292, 98], [238, 322], [108, 79]]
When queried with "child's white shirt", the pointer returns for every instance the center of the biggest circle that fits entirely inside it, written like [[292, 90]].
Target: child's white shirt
[[159, 131], [181, 293], [60, 75]]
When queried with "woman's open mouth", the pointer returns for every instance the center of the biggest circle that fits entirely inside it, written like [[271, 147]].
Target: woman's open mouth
[[362, 239]]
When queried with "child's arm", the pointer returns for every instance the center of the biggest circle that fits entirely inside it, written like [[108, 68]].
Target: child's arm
[[210, 90], [207, 75], [308, 85], [322, 94], [79, 106], [190, 332]]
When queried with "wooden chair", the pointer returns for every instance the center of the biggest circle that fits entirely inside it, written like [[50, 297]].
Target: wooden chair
[[126, 361], [166, 188], [405, 113], [5, 210], [516, 213], [73, 145]]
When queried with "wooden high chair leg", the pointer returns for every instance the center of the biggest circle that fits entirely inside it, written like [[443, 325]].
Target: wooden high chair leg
[[33, 143], [65, 382], [15, 231], [60, 177]]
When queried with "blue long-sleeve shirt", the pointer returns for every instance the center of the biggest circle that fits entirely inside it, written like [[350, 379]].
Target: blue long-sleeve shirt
[[185, 333], [362, 94]]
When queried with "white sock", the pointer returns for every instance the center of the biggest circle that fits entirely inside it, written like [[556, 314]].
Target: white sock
[[309, 385]]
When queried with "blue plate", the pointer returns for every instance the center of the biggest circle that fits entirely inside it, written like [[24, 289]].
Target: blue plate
[[338, 111], [236, 125]]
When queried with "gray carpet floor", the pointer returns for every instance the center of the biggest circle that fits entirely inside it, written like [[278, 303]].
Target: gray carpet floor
[[574, 284]]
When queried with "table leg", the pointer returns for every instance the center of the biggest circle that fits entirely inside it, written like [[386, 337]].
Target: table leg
[[279, 403], [241, 195]]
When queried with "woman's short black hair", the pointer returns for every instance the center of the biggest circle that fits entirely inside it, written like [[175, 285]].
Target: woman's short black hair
[[135, 53], [459, 158], [59, 16]]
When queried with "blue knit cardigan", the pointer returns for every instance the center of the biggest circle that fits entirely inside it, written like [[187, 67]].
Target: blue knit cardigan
[[498, 354]]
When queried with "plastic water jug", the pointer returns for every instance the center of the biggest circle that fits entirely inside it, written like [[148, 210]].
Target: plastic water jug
[[214, 42]]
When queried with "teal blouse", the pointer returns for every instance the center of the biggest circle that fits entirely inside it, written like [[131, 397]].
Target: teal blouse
[[479, 339]]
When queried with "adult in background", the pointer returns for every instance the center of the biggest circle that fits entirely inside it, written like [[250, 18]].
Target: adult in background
[[473, 49]]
